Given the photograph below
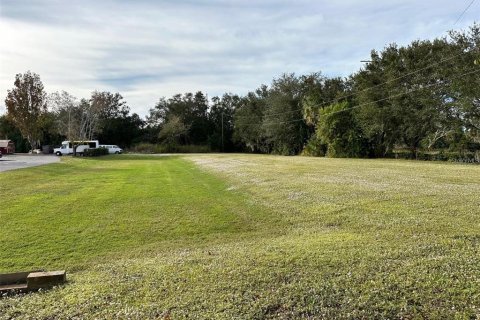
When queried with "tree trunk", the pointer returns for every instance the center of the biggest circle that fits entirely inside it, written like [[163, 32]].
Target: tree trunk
[[32, 143]]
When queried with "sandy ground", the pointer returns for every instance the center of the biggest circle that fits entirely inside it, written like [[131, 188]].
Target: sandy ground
[[18, 161]]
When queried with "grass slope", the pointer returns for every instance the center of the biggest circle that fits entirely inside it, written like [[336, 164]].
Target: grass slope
[[257, 237]]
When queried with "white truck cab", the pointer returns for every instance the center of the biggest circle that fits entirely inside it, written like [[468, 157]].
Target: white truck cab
[[67, 147]]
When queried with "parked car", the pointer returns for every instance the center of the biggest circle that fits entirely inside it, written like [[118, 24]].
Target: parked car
[[112, 148], [0, 154]]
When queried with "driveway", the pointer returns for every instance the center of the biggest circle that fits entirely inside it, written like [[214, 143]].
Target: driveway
[[18, 161]]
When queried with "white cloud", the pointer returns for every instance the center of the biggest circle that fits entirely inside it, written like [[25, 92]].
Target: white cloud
[[148, 49]]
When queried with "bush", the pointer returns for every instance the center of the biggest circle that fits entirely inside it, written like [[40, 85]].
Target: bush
[[169, 148], [95, 152], [439, 155], [314, 147], [191, 148]]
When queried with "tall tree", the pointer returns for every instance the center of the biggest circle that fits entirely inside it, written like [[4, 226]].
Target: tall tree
[[115, 124], [190, 109], [67, 114], [283, 122], [378, 121], [198, 120], [465, 99], [26, 104], [220, 116], [248, 121], [76, 120], [109, 105]]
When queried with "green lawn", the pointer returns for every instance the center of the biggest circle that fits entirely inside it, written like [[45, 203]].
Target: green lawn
[[244, 236]]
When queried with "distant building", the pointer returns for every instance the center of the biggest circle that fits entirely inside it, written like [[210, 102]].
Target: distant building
[[7, 146]]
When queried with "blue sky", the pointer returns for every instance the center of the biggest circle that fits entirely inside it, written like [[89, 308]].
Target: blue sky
[[148, 49]]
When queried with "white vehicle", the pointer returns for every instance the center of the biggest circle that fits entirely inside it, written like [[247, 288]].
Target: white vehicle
[[67, 147], [112, 148]]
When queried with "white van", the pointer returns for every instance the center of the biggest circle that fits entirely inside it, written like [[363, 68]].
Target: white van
[[67, 147], [112, 148]]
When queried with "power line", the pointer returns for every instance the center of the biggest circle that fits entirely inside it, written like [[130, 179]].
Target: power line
[[389, 81], [380, 84], [367, 89], [464, 11], [372, 102], [404, 93]]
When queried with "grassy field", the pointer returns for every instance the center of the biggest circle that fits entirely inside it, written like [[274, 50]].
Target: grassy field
[[244, 237]]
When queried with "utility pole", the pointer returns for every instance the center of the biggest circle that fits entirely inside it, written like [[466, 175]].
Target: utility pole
[[223, 149]]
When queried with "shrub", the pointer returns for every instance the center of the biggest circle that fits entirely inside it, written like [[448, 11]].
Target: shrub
[[314, 147], [191, 148], [439, 155], [95, 152], [169, 148]]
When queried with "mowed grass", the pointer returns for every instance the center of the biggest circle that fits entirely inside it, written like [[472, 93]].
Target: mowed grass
[[65, 215], [245, 237]]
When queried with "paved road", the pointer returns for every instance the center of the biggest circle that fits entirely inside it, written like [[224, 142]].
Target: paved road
[[17, 161]]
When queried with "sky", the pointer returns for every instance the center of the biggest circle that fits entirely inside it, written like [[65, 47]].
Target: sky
[[148, 49]]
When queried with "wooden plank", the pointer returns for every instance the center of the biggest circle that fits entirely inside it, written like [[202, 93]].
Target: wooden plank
[[37, 280], [10, 287], [16, 277]]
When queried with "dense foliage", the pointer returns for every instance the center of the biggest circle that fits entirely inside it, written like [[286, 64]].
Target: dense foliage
[[95, 152], [423, 97]]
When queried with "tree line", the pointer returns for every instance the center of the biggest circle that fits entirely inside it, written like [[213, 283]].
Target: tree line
[[422, 97]]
